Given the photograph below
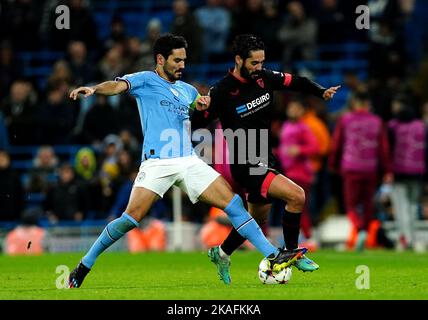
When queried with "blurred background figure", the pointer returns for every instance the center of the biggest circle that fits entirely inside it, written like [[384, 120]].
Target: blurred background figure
[[85, 164], [112, 64], [297, 35], [359, 147], [215, 23], [4, 137], [331, 22], [408, 136], [57, 117], [186, 24], [109, 170], [86, 170], [67, 200], [130, 143], [99, 121], [312, 118], [117, 33], [377, 236], [297, 145], [20, 110], [9, 68], [43, 172], [146, 61], [20, 21], [60, 74], [11, 190], [81, 68]]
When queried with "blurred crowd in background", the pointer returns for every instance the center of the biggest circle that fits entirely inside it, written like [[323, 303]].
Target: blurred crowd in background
[[93, 177]]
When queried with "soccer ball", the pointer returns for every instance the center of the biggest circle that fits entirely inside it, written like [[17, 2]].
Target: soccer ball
[[267, 276]]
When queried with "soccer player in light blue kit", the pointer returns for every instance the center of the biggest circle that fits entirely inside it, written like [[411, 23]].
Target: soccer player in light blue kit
[[164, 103]]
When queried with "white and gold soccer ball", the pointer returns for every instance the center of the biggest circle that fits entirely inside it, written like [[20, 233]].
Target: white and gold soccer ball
[[267, 276]]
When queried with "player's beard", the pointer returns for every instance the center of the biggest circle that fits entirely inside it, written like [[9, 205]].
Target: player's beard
[[173, 76], [246, 74]]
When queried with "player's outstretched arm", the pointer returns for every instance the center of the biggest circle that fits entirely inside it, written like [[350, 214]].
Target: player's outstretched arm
[[307, 86], [108, 88]]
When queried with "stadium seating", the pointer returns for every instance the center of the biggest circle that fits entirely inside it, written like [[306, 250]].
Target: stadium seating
[[326, 72], [37, 65], [23, 155]]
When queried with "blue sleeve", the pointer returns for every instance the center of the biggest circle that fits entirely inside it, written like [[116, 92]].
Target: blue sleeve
[[134, 81], [195, 93]]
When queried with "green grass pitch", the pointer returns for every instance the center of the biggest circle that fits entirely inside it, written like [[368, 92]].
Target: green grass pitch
[[191, 276]]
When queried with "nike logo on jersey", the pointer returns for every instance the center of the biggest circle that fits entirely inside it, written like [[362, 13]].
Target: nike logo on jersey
[[234, 93]]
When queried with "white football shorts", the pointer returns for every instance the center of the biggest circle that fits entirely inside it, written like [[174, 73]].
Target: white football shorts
[[190, 174]]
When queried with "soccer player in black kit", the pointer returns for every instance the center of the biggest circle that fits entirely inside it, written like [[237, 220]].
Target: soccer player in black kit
[[242, 100]]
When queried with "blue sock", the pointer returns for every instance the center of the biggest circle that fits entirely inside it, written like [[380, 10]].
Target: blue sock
[[112, 232], [247, 227]]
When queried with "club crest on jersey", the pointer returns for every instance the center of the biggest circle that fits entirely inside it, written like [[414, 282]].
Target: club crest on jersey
[[261, 83], [140, 176], [174, 92]]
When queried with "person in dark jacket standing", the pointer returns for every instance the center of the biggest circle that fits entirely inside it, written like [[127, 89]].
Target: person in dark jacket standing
[[408, 145]]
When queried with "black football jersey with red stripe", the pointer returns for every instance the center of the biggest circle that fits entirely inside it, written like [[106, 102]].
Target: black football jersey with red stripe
[[247, 104]]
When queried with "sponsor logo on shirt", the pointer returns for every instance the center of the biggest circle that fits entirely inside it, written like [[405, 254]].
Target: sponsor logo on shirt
[[253, 104], [177, 108]]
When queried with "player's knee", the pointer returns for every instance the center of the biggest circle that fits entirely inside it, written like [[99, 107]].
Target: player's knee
[[135, 212], [297, 198], [301, 196]]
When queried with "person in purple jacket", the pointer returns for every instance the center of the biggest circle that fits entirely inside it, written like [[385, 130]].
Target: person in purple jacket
[[360, 151], [408, 145]]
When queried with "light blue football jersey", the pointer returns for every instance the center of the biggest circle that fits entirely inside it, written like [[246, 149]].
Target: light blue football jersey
[[164, 109]]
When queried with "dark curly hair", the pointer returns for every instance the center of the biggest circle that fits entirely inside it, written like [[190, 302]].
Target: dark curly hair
[[244, 43], [166, 43]]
